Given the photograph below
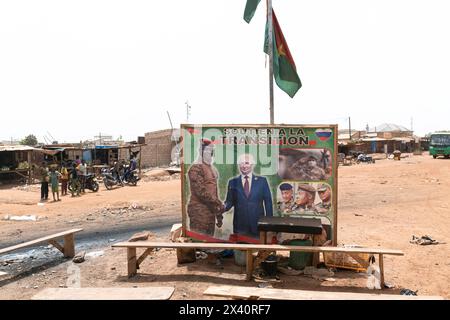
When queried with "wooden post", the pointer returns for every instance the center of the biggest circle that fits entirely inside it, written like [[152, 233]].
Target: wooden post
[[270, 24], [69, 246], [156, 155], [249, 264], [380, 261], [132, 268], [140, 158], [316, 255], [263, 237], [29, 167]]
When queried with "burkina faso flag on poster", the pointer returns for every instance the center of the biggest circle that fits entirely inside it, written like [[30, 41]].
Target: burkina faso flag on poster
[[284, 69]]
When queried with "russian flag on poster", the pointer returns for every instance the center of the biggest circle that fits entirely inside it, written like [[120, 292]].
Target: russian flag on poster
[[324, 134]]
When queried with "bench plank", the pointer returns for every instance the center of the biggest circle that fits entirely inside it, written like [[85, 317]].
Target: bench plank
[[238, 246], [40, 240], [148, 293], [237, 292]]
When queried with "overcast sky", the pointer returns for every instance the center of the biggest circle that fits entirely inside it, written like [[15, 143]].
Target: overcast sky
[[78, 68]]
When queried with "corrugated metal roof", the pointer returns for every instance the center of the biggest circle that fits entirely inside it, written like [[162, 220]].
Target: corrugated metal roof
[[388, 127], [16, 148]]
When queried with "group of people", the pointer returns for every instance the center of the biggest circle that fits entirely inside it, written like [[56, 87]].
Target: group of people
[[305, 200], [73, 174], [121, 171]]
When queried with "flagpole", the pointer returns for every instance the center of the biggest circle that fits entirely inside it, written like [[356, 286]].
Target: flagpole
[[269, 17]]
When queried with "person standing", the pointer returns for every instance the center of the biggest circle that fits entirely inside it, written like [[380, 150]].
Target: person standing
[[82, 170], [250, 196], [204, 205], [75, 185], [54, 180], [64, 179], [43, 177]]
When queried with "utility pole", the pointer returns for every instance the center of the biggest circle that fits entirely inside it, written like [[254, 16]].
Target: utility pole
[[270, 25], [349, 129], [188, 111]]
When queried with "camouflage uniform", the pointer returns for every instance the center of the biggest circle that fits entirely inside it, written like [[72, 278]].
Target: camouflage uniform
[[324, 206], [302, 171], [204, 204], [286, 207]]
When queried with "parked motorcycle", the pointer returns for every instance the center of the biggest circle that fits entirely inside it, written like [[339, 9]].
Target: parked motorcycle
[[110, 179], [364, 158], [131, 177], [91, 183]]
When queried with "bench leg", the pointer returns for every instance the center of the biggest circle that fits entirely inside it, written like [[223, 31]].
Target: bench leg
[[263, 237], [380, 261], [316, 255], [249, 265], [69, 246], [132, 262]]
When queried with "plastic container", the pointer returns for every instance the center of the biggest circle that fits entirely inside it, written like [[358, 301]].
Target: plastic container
[[300, 260], [240, 257]]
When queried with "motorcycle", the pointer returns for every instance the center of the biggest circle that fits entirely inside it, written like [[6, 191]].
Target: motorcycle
[[90, 183], [131, 177], [364, 158], [111, 179]]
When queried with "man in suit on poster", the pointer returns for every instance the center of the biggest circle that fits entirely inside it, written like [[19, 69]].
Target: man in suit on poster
[[250, 197]]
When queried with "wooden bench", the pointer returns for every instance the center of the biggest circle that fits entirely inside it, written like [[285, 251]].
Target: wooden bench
[[249, 293], [134, 262], [68, 248], [148, 293]]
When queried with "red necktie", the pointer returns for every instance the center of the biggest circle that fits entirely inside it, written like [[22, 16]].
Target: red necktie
[[246, 187]]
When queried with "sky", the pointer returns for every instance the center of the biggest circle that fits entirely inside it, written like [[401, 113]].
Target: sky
[[76, 69]]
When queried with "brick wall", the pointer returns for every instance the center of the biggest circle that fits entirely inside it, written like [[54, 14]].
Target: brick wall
[[158, 151]]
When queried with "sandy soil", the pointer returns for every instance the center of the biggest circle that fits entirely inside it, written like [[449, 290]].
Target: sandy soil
[[381, 204]]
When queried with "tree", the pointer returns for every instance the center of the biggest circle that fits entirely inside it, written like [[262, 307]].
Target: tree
[[29, 140]]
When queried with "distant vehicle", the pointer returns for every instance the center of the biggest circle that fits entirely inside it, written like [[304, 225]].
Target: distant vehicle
[[440, 144], [111, 179]]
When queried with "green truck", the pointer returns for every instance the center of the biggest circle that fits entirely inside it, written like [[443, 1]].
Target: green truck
[[440, 144]]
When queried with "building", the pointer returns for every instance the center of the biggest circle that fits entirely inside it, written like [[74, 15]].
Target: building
[[384, 138], [161, 148]]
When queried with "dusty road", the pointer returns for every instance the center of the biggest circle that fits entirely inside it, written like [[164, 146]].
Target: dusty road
[[381, 204]]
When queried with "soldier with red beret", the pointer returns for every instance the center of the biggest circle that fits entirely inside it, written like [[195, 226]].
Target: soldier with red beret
[[204, 206]]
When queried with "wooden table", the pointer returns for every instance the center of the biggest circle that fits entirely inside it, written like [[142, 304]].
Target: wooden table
[[311, 226]]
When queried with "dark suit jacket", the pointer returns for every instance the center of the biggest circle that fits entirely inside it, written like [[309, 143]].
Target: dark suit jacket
[[248, 210]]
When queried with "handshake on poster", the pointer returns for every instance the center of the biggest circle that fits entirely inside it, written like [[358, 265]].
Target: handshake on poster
[[219, 210]]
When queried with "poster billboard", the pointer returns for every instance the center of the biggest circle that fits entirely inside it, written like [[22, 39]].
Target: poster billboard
[[234, 174]]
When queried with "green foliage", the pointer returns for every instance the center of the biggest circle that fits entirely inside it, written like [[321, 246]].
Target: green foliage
[[29, 140]]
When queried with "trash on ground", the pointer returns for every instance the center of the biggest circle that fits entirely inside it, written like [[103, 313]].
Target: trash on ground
[[408, 292], [21, 218], [289, 271], [374, 277], [140, 236], [201, 255], [79, 257], [95, 254], [423, 240], [175, 232], [313, 271]]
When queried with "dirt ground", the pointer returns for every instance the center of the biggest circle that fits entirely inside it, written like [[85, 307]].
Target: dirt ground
[[382, 204]]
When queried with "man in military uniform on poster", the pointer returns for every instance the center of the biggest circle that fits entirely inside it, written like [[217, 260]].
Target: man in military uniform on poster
[[287, 194], [306, 195], [307, 169], [204, 206], [324, 192]]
